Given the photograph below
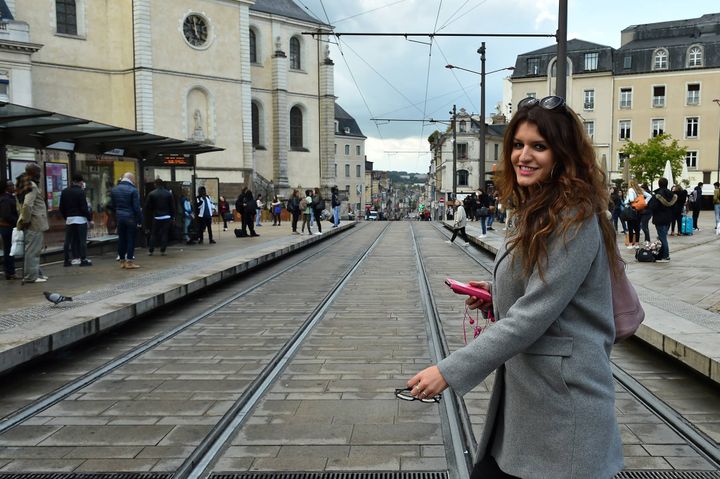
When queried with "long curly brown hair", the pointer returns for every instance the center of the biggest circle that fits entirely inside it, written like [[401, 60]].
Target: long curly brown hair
[[575, 190]]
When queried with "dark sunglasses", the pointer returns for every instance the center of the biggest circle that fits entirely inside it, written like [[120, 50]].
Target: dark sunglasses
[[548, 103], [405, 395]]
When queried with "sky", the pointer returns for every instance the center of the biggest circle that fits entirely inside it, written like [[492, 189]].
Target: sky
[[398, 78]]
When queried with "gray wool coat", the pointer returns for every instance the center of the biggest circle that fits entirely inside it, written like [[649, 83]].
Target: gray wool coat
[[552, 410]]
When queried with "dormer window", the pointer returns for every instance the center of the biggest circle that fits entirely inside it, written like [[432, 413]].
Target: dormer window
[[347, 131], [660, 59], [533, 66], [591, 61], [695, 56]]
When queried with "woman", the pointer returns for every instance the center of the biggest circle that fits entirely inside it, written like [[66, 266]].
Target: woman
[[634, 223], [459, 224], [276, 208], [224, 211], [552, 410], [616, 200], [306, 208], [8, 219]]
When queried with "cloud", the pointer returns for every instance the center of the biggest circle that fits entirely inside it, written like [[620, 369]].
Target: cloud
[[398, 154]]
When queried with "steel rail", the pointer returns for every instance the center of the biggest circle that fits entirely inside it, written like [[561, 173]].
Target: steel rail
[[457, 417], [44, 402], [206, 452], [701, 443]]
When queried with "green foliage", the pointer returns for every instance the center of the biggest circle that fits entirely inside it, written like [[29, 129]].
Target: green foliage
[[433, 136], [647, 160]]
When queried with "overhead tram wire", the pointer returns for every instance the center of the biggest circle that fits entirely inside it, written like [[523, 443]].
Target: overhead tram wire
[[368, 11], [449, 22], [451, 16], [431, 35], [455, 75], [431, 98]]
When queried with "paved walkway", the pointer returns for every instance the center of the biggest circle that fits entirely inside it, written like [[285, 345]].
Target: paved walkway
[[105, 295], [681, 298]]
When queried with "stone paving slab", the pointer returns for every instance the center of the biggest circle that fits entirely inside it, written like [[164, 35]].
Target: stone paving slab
[[118, 296], [678, 297]]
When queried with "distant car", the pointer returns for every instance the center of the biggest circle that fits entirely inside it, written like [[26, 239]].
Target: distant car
[[373, 215]]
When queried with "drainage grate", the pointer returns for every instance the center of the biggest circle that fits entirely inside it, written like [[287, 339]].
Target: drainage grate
[[668, 475], [333, 475], [86, 475]]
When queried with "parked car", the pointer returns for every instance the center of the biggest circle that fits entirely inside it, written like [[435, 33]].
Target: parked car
[[373, 215]]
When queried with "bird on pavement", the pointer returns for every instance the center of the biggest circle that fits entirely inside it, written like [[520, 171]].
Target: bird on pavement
[[56, 298]]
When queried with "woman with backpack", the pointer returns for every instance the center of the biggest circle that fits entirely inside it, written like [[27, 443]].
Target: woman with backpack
[[634, 202], [276, 208], [306, 208]]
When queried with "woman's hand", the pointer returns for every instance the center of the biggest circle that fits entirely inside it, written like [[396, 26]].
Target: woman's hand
[[477, 303], [427, 383]]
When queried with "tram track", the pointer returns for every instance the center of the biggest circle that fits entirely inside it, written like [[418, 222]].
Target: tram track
[[48, 400], [692, 435]]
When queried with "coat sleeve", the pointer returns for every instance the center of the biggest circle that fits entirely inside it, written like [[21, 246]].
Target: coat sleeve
[[530, 316], [25, 213], [136, 206]]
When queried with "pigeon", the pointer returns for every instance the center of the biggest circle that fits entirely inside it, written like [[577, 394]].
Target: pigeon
[[56, 298]]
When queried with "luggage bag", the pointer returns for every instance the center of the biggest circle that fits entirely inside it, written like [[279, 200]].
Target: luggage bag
[[686, 225]]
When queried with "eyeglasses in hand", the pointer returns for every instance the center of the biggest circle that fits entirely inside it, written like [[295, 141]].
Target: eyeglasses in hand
[[405, 395], [548, 103]]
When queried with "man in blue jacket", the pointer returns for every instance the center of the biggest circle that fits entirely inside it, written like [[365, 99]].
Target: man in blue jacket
[[125, 202]]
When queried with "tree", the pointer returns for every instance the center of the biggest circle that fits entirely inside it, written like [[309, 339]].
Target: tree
[[647, 160]]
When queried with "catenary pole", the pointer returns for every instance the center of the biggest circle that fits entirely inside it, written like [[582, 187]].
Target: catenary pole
[[561, 62], [481, 166]]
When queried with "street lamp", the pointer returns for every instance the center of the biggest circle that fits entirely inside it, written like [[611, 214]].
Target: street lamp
[[717, 101], [483, 128]]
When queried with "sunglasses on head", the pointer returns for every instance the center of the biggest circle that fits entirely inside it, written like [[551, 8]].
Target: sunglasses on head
[[548, 103]]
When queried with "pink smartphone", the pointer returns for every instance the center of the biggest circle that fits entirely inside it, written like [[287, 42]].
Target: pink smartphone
[[464, 288]]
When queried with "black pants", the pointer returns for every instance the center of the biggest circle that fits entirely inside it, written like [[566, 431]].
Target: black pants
[[487, 468], [634, 231], [75, 241], [644, 224], [8, 261], [461, 231], [248, 223], [318, 220], [160, 234], [696, 214], [203, 223], [295, 216]]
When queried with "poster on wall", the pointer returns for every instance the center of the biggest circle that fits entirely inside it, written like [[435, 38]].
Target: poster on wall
[[56, 179]]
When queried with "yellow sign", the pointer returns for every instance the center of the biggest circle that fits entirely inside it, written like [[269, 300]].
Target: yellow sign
[[120, 167]]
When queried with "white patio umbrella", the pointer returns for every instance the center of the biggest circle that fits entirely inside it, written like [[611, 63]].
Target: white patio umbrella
[[668, 173], [684, 172]]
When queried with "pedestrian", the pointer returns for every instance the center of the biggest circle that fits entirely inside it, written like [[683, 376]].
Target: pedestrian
[[491, 210], [224, 212], [632, 216], [695, 204], [293, 206], [8, 220], [125, 203], [483, 211], [552, 409], [661, 206], [645, 213], [160, 206], [678, 209], [616, 200], [716, 204], [318, 205], [74, 209], [249, 214], [259, 205], [306, 208], [469, 205], [459, 224], [188, 217], [240, 210], [276, 207], [335, 203], [32, 220], [205, 208]]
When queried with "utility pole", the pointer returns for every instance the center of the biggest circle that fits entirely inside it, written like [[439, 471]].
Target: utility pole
[[454, 153], [561, 62], [481, 169]]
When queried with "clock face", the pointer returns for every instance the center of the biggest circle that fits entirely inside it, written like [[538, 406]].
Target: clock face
[[195, 29]]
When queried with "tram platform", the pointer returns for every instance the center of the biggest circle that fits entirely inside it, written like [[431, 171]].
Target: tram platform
[[104, 295], [681, 298]]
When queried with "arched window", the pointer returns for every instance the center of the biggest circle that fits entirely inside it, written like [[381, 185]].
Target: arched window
[[462, 177], [660, 61], [255, 124], [296, 128], [295, 53], [695, 56], [253, 47]]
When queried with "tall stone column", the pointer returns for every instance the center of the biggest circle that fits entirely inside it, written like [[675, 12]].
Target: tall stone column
[[144, 114], [327, 118], [281, 116], [248, 159]]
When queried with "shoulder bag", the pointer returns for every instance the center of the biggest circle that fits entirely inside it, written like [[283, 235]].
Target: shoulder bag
[[627, 310]]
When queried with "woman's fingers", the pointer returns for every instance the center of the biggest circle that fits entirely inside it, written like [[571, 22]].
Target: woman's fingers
[[427, 383]]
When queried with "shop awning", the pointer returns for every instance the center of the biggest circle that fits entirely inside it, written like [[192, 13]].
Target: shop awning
[[31, 127]]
